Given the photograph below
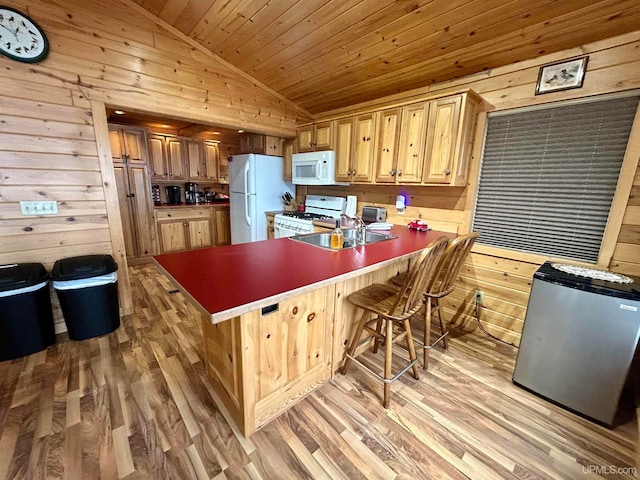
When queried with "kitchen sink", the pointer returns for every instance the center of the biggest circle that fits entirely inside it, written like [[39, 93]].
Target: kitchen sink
[[323, 239]]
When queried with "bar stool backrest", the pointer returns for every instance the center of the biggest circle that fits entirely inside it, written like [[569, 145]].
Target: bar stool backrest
[[452, 262], [420, 279]]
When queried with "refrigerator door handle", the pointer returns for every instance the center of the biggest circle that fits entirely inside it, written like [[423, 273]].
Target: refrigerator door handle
[[246, 193]]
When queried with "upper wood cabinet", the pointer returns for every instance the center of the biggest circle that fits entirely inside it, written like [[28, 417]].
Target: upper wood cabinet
[[195, 159], [261, 144], [128, 144], [364, 146], [355, 148], [212, 161], [167, 158], [287, 153], [400, 156], [387, 169], [311, 138], [449, 139]]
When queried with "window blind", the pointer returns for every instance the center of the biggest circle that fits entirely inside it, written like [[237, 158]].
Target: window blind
[[548, 176]]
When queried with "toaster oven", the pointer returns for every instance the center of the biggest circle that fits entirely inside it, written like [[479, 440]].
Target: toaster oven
[[374, 214]]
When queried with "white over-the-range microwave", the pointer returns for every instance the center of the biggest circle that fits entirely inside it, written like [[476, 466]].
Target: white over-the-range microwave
[[314, 168]]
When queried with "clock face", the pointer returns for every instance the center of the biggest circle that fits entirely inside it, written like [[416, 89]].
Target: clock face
[[20, 37]]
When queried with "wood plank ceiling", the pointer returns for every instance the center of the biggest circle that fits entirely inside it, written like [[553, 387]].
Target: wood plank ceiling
[[327, 54]]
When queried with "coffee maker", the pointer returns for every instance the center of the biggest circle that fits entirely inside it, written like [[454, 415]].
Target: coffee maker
[[173, 195], [191, 193]]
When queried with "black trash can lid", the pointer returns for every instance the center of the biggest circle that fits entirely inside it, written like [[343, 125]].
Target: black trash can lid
[[21, 275], [86, 266]]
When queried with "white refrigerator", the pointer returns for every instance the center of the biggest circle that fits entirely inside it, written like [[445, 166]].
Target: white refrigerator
[[256, 186]]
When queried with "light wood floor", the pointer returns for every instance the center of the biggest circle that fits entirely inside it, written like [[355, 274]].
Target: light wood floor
[[136, 405]]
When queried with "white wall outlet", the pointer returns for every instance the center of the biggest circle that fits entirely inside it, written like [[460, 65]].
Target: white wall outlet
[[39, 208], [479, 298]]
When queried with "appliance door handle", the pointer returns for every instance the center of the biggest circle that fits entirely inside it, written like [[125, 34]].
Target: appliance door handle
[[318, 164], [246, 193]]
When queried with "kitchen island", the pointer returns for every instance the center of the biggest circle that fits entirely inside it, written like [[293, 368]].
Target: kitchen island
[[275, 318]]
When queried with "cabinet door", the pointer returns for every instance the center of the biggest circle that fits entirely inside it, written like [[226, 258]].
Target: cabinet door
[[140, 189], [115, 142], [211, 161], [194, 159], [270, 228], [344, 149], [134, 141], [323, 136], [442, 131], [386, 157], [158, 157], [273, 146], [413, 133], [124, 204], [364, 147], [287, 153], [223, 168], [222, 224], [172, 236], [175, 159], [305, 139], [200, 233]]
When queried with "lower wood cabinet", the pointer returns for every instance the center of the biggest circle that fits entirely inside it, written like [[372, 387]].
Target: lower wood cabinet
[[184, 229], [222, 224], [188, 228]]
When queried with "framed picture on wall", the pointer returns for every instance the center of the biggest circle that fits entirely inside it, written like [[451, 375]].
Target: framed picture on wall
[[561, 76]]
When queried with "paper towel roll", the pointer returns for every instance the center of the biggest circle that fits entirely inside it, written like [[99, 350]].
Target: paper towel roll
[[350, 207]]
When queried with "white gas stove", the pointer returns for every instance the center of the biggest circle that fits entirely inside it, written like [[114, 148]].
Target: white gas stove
[[317, 207]]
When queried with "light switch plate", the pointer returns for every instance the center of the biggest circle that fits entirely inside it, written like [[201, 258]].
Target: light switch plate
[[39, 208]]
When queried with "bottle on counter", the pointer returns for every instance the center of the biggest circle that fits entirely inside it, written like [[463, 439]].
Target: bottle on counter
[[337, 237]]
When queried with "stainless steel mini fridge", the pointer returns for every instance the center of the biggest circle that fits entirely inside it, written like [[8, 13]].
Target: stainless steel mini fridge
[[579, 341]]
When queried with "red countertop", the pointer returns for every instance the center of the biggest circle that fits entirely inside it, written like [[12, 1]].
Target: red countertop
[[230, 280]]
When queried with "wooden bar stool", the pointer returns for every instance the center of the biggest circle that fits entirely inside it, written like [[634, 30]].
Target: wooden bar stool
[[448, 271], [393, 306]]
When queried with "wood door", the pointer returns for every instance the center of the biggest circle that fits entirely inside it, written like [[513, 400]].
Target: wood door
[[175, 159], [194, 159], [211, 161], [158, 157], [413, 133], [364, 147], [223, 168], [200, 233], [287, 153], [141, 202], [386, 156], [344, 149], [115, 142], [222, 224], [323, 136], [442, 132], [124, 204], [172, 235], [134, 142], [305, 139]]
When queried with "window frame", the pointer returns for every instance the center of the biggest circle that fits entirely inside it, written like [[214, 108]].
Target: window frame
[[630, 163]]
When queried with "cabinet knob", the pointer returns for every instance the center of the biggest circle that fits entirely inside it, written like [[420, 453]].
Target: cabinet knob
[[392, 172], [399, 173], [447, 171]]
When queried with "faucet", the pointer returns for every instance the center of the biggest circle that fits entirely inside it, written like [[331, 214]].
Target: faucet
[[361, 228]]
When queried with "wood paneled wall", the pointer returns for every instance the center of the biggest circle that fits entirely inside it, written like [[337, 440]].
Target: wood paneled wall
[[101, 52], [614, 66]]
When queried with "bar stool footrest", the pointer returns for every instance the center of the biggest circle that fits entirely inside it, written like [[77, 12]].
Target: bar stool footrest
[[385, 380]]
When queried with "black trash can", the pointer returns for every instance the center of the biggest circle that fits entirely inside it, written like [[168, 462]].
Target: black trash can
[[87, 288], [26, 317]]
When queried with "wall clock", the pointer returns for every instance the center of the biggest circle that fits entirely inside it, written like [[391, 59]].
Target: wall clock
[[21, 38]]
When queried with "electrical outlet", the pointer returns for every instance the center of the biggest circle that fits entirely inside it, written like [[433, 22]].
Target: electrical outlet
[[479, 298], [39, 208]]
